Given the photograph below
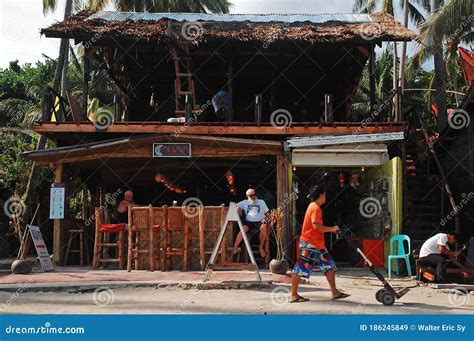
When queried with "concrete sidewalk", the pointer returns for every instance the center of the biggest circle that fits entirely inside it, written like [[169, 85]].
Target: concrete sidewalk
[[72, 279], [83, 279]]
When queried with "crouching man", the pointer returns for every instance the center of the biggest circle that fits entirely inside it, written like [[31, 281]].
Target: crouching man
[[435, 252]]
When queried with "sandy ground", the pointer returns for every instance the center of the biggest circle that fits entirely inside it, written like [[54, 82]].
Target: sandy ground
[[271, 300]]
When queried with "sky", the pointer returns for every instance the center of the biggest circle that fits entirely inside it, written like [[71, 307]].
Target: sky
[[21, 21]]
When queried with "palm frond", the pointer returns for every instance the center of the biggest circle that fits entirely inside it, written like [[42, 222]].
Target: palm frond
[[49, 6], [415, 15], [454, 18], [360, 5]]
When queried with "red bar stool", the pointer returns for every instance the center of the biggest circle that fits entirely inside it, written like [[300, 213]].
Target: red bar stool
[[103, 234]]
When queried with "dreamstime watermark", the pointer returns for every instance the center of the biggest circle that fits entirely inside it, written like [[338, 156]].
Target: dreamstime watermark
[[467, 22], [103, 119], [458, 296], [192, 30], [45, 329], [109, 200], [14, 29], [190, 299], [94, 39], [191, 206], [14, 207], [370, 207], [103, 296], [15, 295], [357, 309], [465, 199], [459, 119], [275, 35], [280, 296], [192, 120], [370, 31], [374, 114], [281, 118]]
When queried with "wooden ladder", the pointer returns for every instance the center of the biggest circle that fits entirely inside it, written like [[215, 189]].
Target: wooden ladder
[[184, 84]]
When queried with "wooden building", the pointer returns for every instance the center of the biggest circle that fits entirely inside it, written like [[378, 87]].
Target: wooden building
[[285, 77]]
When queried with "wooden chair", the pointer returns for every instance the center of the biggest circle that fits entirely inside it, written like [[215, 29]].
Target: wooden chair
[[103, 233], [159, 217], [177, 237], [140, 237], [76, 236], [211, 219]]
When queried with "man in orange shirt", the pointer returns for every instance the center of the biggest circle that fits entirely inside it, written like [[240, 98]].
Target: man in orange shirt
[[312, 248]]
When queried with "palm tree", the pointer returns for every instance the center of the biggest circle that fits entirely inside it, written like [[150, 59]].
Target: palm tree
[[448, 27], [391, 7], [450, 21], [383, 85]]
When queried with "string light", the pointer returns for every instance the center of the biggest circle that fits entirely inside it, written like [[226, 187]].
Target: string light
[[230, 182], [160, 178]]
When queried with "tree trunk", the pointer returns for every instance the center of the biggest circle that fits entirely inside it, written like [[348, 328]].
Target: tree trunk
[[63, 50], [440, 78]]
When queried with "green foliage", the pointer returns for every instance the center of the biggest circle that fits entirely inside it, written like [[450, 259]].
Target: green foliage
[[14, 169], [21, 89]]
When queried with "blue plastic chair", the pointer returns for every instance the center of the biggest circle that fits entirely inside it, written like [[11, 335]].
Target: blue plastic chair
[[400, 254]]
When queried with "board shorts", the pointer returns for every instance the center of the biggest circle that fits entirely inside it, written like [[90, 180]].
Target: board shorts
[[309, 257], [253, 225]]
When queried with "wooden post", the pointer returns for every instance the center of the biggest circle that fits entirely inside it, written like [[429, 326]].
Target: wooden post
[[396, 109], [283, 198], [230, 90], [85, 202], [202, 236], [328, 109], [57, 233], [258, 109]]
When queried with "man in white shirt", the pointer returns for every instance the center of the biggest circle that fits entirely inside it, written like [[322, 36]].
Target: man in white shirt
[[434, 252], [253, 212]]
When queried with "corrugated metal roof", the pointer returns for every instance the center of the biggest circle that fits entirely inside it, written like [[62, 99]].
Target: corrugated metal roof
[[260, 18]]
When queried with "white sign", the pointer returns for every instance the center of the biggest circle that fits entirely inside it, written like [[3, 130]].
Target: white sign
[[41, 249], [56, 202]]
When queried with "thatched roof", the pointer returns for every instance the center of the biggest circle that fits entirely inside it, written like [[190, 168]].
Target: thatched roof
[[159, 27]]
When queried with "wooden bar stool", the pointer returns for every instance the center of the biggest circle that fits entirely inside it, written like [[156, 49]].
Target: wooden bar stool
[[177, 237], [159, 217], [102, 243], [140, 237], [76, 236]]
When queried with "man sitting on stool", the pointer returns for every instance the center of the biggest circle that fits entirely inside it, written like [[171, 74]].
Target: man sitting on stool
[[434, 252], [253, 212]]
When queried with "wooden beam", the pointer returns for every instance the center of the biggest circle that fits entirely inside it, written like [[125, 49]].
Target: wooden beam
[[228, 129], [211, 153], [57, 233]]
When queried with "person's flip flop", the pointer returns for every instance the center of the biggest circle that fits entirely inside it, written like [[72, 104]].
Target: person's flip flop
[[340, 296], [298, 299]]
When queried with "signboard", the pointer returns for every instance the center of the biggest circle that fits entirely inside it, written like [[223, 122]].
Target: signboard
[[41, 249], [56, 202], [171, 149]]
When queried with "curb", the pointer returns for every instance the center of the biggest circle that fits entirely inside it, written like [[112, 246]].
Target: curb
[[91, 286]]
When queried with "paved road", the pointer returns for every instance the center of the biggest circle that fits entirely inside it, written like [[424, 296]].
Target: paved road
[[271, 300]]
